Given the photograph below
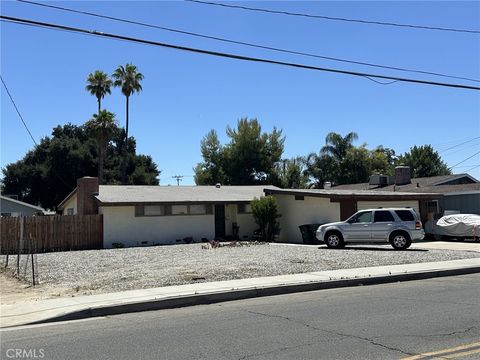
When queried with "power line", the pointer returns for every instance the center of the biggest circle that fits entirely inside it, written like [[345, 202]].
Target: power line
[[18, 112], [313, 16], [463, 143], [472, 168], [461, 162], [228, 55], [259, 46], [466, 166], [28, 130]]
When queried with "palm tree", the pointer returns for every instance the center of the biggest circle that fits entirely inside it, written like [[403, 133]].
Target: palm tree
[[98, 84], [337, 146], [103, 126], [128, 79]]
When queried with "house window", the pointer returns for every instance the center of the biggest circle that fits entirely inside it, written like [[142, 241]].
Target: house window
[[198, 209], [167, 210], [153, 210], [70, 211], [179, 209], [244, 208]]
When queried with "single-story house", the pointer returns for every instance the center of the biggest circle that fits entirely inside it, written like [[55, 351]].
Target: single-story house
[[314, 206], [13, 207], [137, 214], [461, 192]]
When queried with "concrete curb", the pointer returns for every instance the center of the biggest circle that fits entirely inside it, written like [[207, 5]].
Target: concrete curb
[[239, 294]]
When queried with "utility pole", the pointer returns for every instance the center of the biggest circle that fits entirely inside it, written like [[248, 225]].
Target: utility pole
[[178, 178]]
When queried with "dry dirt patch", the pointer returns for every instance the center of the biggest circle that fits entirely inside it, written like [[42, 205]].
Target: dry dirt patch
[[100, 271]]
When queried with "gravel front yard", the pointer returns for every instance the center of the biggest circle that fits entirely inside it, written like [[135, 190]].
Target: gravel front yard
[[88, 272]]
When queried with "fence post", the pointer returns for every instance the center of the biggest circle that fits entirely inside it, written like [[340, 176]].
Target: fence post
[[20, 244]]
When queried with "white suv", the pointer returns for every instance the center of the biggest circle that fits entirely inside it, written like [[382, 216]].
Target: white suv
[[398, 226]]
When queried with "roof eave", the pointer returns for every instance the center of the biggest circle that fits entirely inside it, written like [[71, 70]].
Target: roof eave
[[69, 196]]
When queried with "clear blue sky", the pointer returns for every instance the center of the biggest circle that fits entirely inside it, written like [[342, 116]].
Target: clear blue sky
[[185, 95]]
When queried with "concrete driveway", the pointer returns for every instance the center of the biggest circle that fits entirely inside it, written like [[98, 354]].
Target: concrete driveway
[[447, 245]]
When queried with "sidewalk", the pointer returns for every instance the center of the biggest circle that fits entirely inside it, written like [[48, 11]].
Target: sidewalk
[[205, 293]]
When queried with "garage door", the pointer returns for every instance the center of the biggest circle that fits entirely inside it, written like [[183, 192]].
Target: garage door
[[362, 205]]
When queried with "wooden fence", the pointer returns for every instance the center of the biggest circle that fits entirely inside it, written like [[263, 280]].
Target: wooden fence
[[36, 234]]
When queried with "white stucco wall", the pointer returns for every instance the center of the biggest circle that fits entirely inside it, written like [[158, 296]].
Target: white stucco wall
[[361, 205], [311, 210], [121, 225], [71, 203], [247, 225]]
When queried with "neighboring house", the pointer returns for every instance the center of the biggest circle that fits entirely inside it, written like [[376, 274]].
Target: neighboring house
[[138, 214], [13, 207], [313, 206], [461, 191]]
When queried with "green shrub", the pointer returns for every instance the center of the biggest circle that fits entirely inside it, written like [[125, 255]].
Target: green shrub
[[265, 212]]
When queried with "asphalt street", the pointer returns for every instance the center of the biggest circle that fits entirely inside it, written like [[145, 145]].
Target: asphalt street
[[426, 319]]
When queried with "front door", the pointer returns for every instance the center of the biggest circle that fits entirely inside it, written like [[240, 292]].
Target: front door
[[220, 221]]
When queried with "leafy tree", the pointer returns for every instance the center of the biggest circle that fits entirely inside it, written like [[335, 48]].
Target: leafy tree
[[355, 167], [48, 173], [342, 163], [266, 215], [424, 161], [337, 146], [128, 79], [211, 170], [390, 155], [327, 165], [99, 85], [322, 168], [290, 173], [381, 161], [249, 158], [103, 127]]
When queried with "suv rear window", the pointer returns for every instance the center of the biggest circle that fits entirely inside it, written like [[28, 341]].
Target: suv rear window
[[383, 216], [405, 215]]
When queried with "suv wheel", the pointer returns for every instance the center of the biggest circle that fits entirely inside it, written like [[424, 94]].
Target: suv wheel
[[334, 240], [400, 240]]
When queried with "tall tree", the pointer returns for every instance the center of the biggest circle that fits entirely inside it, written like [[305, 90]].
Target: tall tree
[[103, 127], [424, 161], [320, 169], [252, 154], [47, 173], [99, 85], [291, 173], [337, 146], [128, 79], [211, 170], [355, 166], [249, 158]]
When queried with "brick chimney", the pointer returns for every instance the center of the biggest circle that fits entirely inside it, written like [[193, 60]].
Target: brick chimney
[[86, 188], [402, 175]]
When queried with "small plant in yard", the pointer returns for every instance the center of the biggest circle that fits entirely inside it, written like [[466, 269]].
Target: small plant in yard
[[265, 212], [214, 244], [117, 245]]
